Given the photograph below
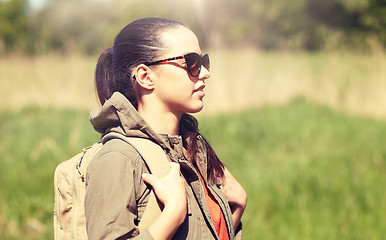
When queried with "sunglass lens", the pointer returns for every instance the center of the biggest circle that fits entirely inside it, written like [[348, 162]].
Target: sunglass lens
[[193, 64], [206, 62]]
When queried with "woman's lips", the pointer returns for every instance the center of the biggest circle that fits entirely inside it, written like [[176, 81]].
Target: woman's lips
[[200, 91]]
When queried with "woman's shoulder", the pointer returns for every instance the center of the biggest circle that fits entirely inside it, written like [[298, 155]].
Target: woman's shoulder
[[115, 152]]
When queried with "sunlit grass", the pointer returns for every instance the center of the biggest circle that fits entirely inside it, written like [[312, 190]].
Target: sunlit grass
[[239, 80], [49, 81], [345, 81]]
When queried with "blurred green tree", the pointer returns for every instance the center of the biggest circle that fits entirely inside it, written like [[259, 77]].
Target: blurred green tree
[[13, 25], [88, 27], [375, 19]]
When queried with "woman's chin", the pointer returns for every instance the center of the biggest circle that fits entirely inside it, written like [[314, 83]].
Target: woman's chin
[[197, 108]]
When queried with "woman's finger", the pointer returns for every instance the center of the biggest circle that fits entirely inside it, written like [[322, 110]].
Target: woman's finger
[[175, 167], [149, 178]]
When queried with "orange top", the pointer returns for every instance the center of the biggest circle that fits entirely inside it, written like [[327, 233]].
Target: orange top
[[216, 213]]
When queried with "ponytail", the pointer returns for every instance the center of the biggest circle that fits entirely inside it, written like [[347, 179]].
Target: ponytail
[[104, 76]]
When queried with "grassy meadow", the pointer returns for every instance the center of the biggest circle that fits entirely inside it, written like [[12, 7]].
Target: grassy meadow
[[239, 80], [303, 133]]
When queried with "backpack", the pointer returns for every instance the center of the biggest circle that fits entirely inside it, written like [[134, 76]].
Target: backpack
[[69, 184]]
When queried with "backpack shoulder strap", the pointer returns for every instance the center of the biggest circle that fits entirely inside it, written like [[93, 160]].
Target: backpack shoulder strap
[[157, 164]]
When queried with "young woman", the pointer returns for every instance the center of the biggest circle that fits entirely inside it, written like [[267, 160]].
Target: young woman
[[148, 82]]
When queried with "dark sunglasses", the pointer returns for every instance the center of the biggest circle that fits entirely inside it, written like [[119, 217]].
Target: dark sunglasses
[[193, 62]]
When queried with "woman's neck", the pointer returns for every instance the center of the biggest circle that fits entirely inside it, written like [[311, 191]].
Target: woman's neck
[[161, 120]]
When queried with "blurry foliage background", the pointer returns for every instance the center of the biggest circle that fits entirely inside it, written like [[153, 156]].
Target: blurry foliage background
[[87, 26]]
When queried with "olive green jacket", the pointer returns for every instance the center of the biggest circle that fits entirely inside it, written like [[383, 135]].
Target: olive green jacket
[[116, 195]]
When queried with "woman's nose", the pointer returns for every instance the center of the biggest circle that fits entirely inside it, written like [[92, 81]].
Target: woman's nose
[[204, 74]]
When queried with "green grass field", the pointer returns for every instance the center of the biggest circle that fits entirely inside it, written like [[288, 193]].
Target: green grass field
[[310, 172]]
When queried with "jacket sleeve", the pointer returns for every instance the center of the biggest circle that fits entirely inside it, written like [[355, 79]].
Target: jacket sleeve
[[110, 201], [239, 232]]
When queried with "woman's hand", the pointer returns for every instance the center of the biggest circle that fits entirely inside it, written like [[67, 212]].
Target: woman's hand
[[170, 190], [236, 196]]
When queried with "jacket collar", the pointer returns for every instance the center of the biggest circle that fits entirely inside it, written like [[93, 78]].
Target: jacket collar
[[119, 115]]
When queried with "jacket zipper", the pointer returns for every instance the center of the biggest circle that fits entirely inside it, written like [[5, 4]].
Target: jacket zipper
[[231, 230]]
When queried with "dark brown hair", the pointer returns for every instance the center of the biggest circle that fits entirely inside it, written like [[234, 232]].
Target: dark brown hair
[[140, 42]]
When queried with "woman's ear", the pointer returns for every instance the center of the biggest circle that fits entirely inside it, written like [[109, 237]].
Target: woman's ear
[[143, 76]]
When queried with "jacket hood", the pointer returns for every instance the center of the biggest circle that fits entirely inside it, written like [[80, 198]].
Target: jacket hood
[[119, 115]]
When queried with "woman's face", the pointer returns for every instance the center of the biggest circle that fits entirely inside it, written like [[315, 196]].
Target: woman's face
[[177, 91]]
